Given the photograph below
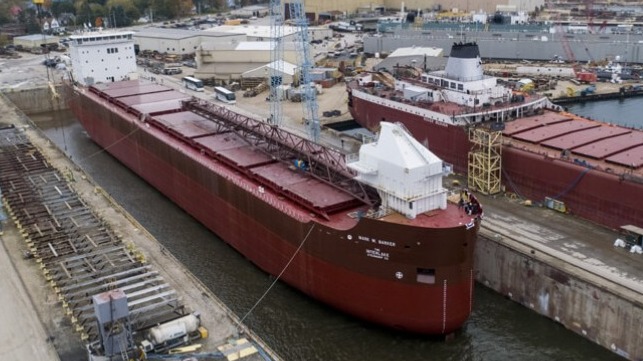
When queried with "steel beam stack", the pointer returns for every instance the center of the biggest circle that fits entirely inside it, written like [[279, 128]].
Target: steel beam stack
[[79, 254]]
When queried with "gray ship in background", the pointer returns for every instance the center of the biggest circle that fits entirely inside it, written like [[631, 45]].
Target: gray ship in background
[[513, 42], [563, 32]]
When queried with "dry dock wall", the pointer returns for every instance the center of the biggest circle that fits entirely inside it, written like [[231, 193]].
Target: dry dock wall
[[607, 314], [37, 100]]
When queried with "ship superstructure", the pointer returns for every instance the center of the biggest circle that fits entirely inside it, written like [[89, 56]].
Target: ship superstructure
[[99, 57]]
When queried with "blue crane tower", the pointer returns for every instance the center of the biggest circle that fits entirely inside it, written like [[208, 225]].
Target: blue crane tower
[[308, 90], [276, 67]]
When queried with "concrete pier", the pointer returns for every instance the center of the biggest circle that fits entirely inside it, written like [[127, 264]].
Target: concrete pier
[[565, 269]]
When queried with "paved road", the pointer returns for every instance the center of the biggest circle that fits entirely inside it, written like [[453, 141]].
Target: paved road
[[22, 335]]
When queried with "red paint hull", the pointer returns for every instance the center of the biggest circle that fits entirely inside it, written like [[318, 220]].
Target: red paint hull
[[599, 196], [332, 265]]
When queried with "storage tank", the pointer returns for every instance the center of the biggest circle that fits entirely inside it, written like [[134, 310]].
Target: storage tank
[[173, 329]]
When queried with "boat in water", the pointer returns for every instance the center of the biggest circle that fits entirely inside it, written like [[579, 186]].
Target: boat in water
[[542, 153], [378, 239]]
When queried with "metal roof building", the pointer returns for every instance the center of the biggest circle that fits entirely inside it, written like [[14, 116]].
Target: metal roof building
[[226, 62], [35, 40], [179, 41]]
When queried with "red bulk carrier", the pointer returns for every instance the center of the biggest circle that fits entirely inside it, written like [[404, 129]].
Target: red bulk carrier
[[375, 238], [594, 169]]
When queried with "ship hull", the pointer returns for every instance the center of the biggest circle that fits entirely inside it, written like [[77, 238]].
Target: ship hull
[[605, 198], [369, 270]]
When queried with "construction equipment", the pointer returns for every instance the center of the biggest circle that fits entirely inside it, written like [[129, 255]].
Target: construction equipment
[[308, 91], [582, 76], [276, 68], [305, 64]]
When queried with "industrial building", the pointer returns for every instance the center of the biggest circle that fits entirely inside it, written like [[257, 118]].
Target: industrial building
[[250, 11], [35, 40], [257, 75], [179, 41], [263, 32], [226, 62], [349, 7]]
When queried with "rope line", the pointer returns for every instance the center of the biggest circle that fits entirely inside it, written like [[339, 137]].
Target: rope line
[[570, 187], [279, 276], [104, 149]]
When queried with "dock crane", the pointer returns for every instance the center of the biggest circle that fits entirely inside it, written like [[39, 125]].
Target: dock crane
[[275, 70], [579, 74], [304, 63]]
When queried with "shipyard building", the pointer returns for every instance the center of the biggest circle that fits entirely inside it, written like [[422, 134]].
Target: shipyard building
[[178, 41], [324, 8]]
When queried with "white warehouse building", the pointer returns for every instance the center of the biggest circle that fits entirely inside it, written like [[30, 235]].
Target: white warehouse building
[[226, 62], [263, 32], [179, 41]]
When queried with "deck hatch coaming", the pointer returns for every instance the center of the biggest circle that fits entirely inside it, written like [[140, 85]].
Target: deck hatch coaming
[[611, 146], [141, 88], [545, 133], [584, 137], [631, 158], [142, 99], [528, 123], [238, 153], [187, 124], [312, 192]]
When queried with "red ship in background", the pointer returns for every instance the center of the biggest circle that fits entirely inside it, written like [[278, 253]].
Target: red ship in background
[[596, 169], [375, 237]]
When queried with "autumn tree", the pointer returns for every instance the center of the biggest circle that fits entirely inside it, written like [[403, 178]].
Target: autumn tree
[[88, 10], [6, 10]]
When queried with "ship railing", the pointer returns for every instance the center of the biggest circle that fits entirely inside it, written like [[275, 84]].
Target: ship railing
[[436, 87]]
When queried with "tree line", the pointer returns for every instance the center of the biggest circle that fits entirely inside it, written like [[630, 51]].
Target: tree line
[[111, 13]]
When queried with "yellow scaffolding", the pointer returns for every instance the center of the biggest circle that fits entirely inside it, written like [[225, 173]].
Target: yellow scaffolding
[[485, 160]]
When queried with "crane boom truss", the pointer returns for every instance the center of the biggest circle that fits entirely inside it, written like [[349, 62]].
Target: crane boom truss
[[275, 68], [305, 65]]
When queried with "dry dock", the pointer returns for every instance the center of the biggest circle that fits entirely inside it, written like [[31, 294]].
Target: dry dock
[[79, 243], [554, 264], [565, 269]]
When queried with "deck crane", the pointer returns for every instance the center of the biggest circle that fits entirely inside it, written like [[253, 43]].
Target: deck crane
[[308, 91]]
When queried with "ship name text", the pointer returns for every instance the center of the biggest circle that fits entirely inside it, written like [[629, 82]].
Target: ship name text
[[377, 241]]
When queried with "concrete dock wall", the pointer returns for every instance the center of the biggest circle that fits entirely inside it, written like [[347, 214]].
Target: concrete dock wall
[[608, 314], [38, 100]]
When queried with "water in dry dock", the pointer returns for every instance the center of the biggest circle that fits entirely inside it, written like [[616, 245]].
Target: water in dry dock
[[297, 327]]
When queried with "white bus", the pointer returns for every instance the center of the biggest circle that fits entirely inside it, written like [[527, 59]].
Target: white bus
[[224, 95], [193, 83]]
